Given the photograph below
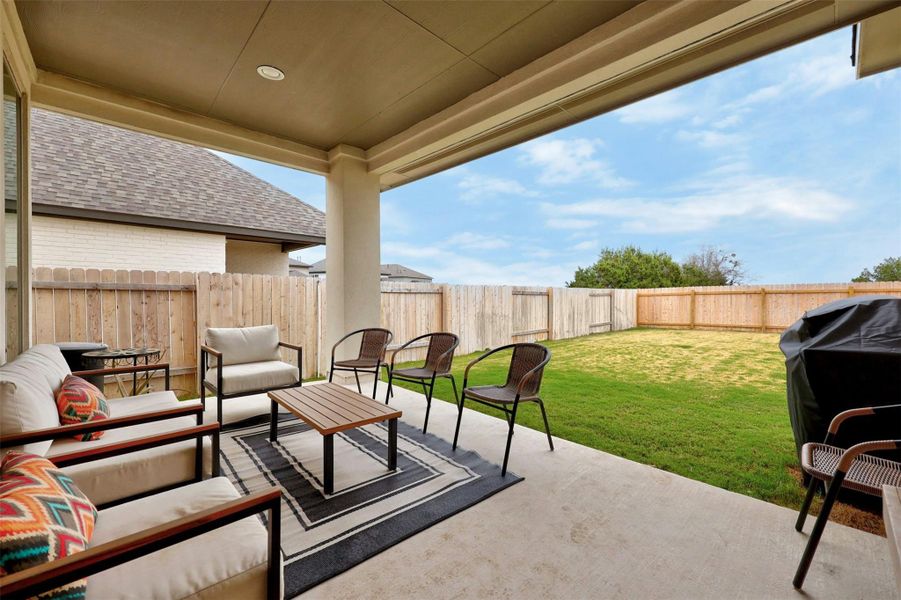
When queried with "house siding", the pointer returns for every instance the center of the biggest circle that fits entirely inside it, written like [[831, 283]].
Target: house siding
[[59, 242], [255, 257]]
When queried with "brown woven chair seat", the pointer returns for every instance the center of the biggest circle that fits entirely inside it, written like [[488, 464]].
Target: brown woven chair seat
[[867, 473], [415, 373], [496, 393], [357, 363]]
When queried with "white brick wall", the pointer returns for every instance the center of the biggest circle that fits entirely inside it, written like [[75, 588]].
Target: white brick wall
[[60, 242]]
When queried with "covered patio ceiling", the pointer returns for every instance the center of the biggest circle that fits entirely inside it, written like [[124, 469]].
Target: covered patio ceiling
[[417, 86]]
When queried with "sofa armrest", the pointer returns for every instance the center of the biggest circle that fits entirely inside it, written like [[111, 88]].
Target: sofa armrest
[[54, 433], [127, 369], [48, 576], [143, 443]]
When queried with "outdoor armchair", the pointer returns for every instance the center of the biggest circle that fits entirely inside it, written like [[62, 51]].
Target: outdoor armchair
[[29, 421], [438, 361], [202, 539], [523, 384], [839, 468], [370, 358], [242, 361]]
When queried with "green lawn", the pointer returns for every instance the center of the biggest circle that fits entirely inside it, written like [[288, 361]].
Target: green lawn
[[707, 405]]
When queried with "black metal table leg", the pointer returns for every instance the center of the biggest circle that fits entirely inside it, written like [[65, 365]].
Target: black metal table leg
[[328, 462], [273, 422], [392, 444]]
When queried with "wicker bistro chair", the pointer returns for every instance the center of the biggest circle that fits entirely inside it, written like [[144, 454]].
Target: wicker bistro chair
[[840, 468], [370, 358], [438, 361], [522, 385]]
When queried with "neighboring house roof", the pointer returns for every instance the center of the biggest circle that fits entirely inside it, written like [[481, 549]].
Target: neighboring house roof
[[293, 262], [391, 270], [89, 170]]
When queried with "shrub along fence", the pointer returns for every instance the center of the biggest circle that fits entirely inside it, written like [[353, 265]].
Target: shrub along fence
[[171, 310]]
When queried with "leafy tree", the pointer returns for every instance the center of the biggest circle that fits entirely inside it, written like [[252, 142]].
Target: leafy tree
[[712, 266], [629, 267], [887, 270]]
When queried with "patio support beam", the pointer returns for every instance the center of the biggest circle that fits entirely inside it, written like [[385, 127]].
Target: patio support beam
[[352, 238]]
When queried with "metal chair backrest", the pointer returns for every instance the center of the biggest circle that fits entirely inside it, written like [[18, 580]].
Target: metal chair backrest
[[374, 344], [525, 358], [439, 343]]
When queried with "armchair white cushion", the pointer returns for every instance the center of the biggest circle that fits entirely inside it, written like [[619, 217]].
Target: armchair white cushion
[[225, 563], [110, 479], [28, 387], [240, 345], [254, 376]]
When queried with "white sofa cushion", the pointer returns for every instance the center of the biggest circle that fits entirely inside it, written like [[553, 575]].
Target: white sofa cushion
[[229, 562], [118, 477], [254, 376], [244, 344], [28, 387]]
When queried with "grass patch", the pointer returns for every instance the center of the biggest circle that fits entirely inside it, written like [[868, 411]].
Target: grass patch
[[707, 405]]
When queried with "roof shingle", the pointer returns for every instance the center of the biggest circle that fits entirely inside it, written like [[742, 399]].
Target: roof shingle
[[79, 164]]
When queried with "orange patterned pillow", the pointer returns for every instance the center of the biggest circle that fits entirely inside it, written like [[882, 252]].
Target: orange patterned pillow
[[45, 517], [80, 401]]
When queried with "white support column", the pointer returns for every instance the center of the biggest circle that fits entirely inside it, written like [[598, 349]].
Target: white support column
[[352, 240]]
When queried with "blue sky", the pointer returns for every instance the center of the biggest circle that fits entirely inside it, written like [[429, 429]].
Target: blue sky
[[788, 161]]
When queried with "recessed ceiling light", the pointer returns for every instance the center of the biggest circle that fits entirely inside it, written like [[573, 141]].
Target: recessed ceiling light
[[270, 72]]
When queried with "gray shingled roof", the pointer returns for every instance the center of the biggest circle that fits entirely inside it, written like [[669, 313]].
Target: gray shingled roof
[[388, 270], [82, 168]]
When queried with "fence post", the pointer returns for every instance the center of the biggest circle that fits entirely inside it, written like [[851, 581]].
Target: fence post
[[550, 313], [762, 309], [612, 311], [691, 310]]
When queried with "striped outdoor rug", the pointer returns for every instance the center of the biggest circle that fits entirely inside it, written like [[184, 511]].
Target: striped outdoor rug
[[372, 509]]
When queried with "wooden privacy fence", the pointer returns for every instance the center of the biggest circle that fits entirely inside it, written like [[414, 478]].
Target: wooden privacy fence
[[171, 311], [743, 308]]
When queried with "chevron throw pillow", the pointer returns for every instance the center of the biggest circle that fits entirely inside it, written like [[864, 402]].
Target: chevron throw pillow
[[80, 401], [43, 517]]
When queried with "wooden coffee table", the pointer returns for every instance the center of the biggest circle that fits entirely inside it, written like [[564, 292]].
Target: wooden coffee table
[[329, 408]]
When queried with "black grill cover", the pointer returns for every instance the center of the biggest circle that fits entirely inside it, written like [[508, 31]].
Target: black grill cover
[[844, 354]]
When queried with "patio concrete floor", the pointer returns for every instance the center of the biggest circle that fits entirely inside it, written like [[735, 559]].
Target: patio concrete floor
[[586, 524]]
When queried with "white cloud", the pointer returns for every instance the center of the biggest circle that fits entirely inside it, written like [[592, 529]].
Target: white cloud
[[707, 204], [475, 187], [567, 161], [557, 223], [822, 74], [477, 241], [709, 138], [586, 245], [661, 108]]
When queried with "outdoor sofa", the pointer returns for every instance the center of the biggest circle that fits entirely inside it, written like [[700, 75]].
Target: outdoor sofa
[[169, 444]]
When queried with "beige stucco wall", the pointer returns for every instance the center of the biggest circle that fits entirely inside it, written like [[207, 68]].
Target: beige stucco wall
[[58, 242], [255, 257]]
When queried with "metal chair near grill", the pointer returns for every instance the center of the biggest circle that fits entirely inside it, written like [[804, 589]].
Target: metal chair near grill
[[370, 358], [438, 361], [523, 384], [839, 468]]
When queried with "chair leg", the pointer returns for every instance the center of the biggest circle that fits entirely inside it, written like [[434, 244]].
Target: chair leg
[[375, 379], [428, 404], [331, 372], [459, 418], [805, 507], [357, 377], [509, 441], [454, 384], [219, 408], [547, 428], [203, 394], [388, 391], [818, 527]]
